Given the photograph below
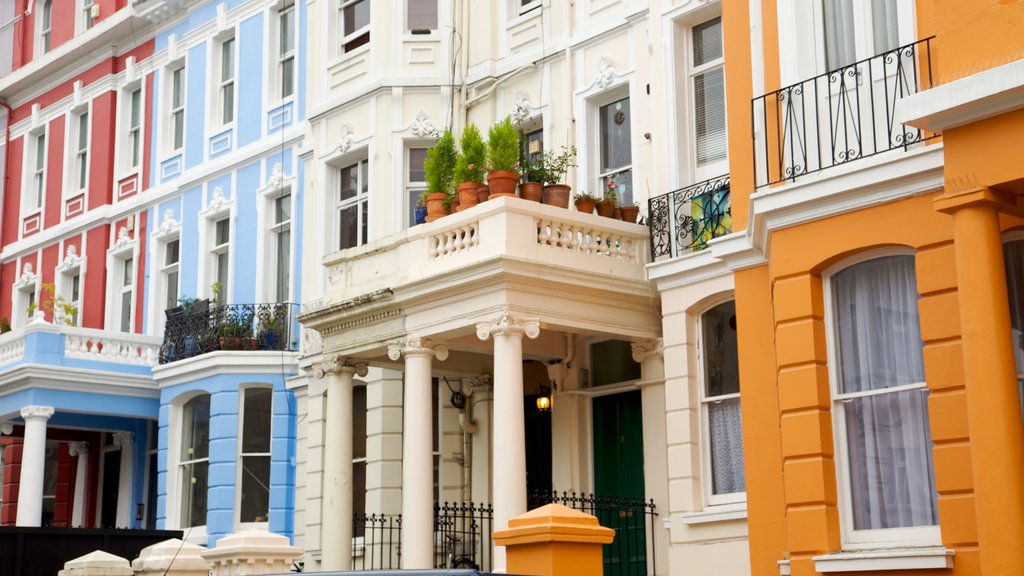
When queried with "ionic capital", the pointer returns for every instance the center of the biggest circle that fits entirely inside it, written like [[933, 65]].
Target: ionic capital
[[647, 349], [78, 448], [340, 365], [37, 413], [472, 385], [506, 324], [417, 346]]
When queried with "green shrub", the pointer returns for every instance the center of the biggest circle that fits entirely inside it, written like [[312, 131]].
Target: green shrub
[[471, 165], [503, 146], [440, 164]]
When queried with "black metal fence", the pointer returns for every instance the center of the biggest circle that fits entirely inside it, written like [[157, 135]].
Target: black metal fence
[[839, 116], [43, 551], [631, 518], [685, 220], [377, 542], [203, 328]]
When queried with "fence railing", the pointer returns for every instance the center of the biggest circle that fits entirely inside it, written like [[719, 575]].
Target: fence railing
[[839, 116], [631, 518], [377, 541], [684, 220], [205, 328]]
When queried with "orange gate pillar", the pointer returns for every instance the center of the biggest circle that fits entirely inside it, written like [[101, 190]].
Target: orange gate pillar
[[990, 376], [554, 540]]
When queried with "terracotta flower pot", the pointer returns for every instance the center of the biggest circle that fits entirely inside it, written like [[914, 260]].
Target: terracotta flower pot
[[604, 208], [483, 194], [502, 182], [467, 195], [533, 191], [585, 205], [618, 214], [629, 213], [557, 195], [435, 206]]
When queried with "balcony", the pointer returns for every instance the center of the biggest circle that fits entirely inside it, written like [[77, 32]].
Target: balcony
[[203, 328], [840, 116], [40, 342], [685, 220]]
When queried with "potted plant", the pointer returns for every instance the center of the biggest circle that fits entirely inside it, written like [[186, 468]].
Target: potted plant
[[5, 325], [556, 192], [503, 157], [532, 185], [629, 213], [585, 202], [439, 168], [469, 167], [606, 206]]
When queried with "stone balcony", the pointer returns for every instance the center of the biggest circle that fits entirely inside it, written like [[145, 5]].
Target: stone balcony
[[40, 342]]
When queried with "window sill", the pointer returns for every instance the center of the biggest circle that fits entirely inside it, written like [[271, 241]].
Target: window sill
[[890, 559], [344, 57], [721, 513]]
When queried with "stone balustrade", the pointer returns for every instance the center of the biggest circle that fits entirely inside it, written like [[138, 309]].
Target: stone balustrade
[[88, 344], [12, 347]]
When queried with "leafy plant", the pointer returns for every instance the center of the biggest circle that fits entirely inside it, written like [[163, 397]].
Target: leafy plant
[[470, 166], [216, 289], [555, 165], [611, 193], [5, 325], [440, 164], [503, 146], [62, 311], [586, 196]]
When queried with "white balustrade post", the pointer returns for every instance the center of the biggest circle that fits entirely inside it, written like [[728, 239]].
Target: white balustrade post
[[122, 518], [336, 518], [417, 450], [171, 558], [33, 463], [81, 451], [252, 552], [509, 441], [97, 563]]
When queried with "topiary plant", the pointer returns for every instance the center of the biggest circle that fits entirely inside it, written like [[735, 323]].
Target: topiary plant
[[503, 146], [440, 164], [470, 165]]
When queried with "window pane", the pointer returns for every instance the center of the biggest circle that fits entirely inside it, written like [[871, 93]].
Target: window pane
[[726, 436], [194, 481], [422, 14], [172, 252], [623, 184], [287, 77], [195, 436], [229, 102], [222, 275], [136, 108], [179, 129], [884, 25], [126, 311], [348, 230], [76, 282], [534, 146], [40, 152], [890, 460], [414, 199], [718, 343], [356, 15], [256, 420], [349, 182], [223, 231], [707, 42], [363, 217], [416, 158], [255, 489], [227, 60], [177, 92], [709, 100], [83, 131], [840, 49], [286, 31], [284, 248], [877, 325], [172, 290], [127, 272], [283, 209], [615, 139]]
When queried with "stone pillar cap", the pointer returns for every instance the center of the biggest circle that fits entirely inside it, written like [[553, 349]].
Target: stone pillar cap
[[553, 523], [97, 563], [252, 544], [159, 556]]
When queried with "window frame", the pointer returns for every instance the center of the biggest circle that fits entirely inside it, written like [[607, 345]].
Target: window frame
[[86, 21], [122, 251], [33, 200], [598, 175], [421, 31], [716, 167], [174, 111], [241, 455], [45, 35], [24, 296], [710, 498], [178, 464], [225, 97], [346, 38], [165, 269], [215, 250], [361, 197], [128, 135], [66, 289], [410, 186], [280, 57], [126, 280], [865, 539], [78, 156]]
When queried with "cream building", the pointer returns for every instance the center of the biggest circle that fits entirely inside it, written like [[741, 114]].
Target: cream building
[[430, 343]]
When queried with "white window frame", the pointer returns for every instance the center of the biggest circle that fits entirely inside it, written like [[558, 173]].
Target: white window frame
[[172, 111], [224, 87], [241, 455], [44, 21], [423, 31], [33, 199], [917, 536], [218, 208], [360, 197], [129, 134], [410, 186], [718, 167], [277, 58], [168, 268], [65, 288], [117, 256], [519, 8], [277, 186], [611, 96], [169, 230], [215, 251], [347, 37], [85, 15], [175, 466], [77, 152], [25, 292], [710, 497]]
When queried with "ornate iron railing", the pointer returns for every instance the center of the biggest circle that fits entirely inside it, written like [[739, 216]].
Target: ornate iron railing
[[685, 220], [377, 541], [631, 518], [207, 328], [839, 116]]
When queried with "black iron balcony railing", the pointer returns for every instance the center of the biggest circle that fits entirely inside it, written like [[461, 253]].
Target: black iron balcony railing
[[842, 115], [685, 220], [203, 328]]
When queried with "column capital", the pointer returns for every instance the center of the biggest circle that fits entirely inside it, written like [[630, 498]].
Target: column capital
[[78, 448], [37, 413], [122, 439], [508, 324], [340, 365], [978, 196], [6, 428], [472, 385], [647, 349], [417, 346]]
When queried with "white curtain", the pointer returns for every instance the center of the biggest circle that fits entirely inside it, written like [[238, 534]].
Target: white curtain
[[840, 46], [726, 433], [889, 442]]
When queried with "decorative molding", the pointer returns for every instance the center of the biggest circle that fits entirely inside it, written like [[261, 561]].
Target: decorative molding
[[27, 278], [71, 259], [122, 439], [417, 346], [520, 107], [472, 385], [217, 203], [647, 349], [124, 239], [36, 412], [340, 365], [78, 448], [312, 343], [507, 324], [275, 182], [345, 139], [422, 127], [168, 225], [605, 72]]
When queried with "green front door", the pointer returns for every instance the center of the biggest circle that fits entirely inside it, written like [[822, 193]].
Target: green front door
[[619, 479]]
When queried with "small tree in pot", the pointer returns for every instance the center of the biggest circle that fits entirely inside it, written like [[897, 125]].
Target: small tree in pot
[[470, 166], [556, 192], [439, 168], [503, 156]]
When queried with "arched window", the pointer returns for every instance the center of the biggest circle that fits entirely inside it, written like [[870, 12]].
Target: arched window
[[195, 460]]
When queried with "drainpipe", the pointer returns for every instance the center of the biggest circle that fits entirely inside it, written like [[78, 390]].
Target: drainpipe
[[469, 427], [7, 160]]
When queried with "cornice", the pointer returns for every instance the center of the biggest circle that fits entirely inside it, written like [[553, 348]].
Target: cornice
[[225, 362]]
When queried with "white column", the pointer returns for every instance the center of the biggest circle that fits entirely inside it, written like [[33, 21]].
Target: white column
[[417, 451], [336, 519], [33, 462], [123, 517], [509, 477], [81, 451]]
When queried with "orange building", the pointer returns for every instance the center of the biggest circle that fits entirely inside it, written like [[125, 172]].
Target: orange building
[[876, 158]]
